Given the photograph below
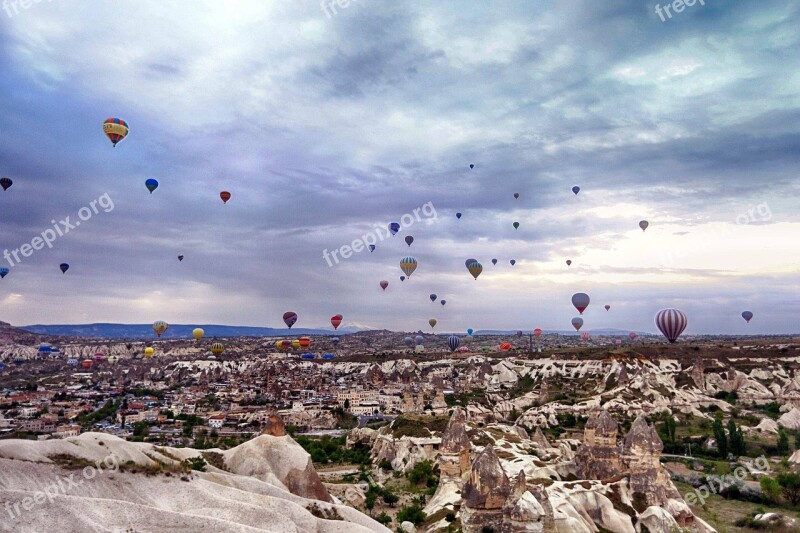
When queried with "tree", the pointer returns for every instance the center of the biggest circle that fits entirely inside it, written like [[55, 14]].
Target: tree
[[390, 498], [720, 436], [797, 441], [736, 439], [412, 513], [347, 404], [783, 443], [790, 486], [384, 518], [770, 489]]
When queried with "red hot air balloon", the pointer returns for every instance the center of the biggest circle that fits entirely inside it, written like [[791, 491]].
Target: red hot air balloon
[[409, 239], [289, 318], [384, 284], [585, 336], [537, 332], [305, 342], [671, 323], [581, 301], [225, 196], [505, 346], [632, 335], [336, 320]]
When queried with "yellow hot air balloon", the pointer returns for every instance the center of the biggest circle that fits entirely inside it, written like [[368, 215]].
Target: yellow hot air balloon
[[217, 348], [148, 352], [296, 343], [198, 333], [432, 322], [159, 326]]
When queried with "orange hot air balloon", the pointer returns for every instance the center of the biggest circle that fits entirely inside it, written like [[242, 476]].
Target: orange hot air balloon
[[305, 342], [505, 346], [225, 195], [336, 320]]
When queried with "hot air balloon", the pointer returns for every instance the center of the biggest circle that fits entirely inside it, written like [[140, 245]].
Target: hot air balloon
[[516, 195], [115, 129], [632, 335], [409, 239], [537, 332], [577, 322], [335, 340], [419, 348], [453, 342], [618, 342], [217, 348], [198, 333], [569, 262], [180, 258], [585, 336], [151, 185], [211, 358], [408, 341], [305, 342], [519, 333], [494, 261], [444, 302], [336, 320], [383, 284], [4, 272], [471, 165], [148, 352], [458, 216], [225, 196], [402, 278], [419, 338], [5, 183], [432, 322], [671, 323], [747, 315], [516, 225], [113, 359], [296, 343], [643, 224], [87, 363], [371, 248], [505, 346], [513, 262], [394, 227], [607, 307], [581, 301], [475, 269], [432, 297], [470, 260], [159, 326], [576, 189], [408, 265], [64, 267], [289, 318], [469, 331]]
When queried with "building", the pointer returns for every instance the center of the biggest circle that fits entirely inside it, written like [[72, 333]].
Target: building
[[351, 399], [216, 421], [64, 431]]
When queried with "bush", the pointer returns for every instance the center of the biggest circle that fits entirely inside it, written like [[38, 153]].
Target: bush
[[384, 519], [412, 513], [195, 463]]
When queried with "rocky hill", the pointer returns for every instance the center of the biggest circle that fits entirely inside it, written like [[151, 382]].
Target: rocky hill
[[97, 482]]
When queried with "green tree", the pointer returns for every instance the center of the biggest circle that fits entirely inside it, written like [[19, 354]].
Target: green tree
[[770, 489], [384, 519], [412, 513], [736, 439], [720, 436], [783, 443], [390, 498], [790, 486]]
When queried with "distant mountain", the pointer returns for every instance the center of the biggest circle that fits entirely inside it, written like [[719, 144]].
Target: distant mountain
[[175, 331], [606, 332]]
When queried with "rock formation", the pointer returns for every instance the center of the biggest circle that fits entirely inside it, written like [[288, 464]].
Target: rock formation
[[485, 493]]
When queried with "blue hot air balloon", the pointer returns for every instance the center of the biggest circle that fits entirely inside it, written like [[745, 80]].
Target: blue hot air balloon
[[402, 278], [64, 267], [444, 302], [151, 185], [433, 297], [513, 262], [371, 248], [469, 331], [494, 261], [453, 341], [576, 189], [471, 165], [458, 215], [394, 227], [4, 272]]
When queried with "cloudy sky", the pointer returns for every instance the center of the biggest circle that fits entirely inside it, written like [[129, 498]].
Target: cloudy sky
[[325, 122]]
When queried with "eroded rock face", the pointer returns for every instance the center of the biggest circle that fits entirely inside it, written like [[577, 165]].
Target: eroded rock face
[[274, 426], [485, 493], [455, 438]]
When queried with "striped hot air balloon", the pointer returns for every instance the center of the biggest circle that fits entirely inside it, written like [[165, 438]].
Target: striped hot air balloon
[[408, 265], [336, 320], [475, 269], [159, 326], [289, 318], [671, 323], [217, 348], [453, 342], [581, 301], [115, 129]]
